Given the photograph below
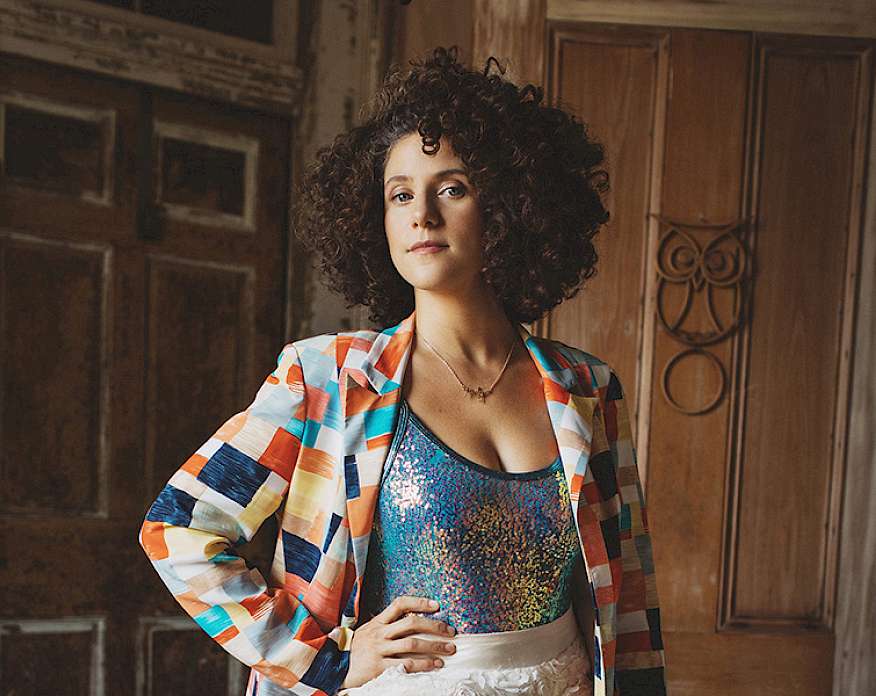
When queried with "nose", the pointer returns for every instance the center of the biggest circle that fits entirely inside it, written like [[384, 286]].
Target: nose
[[425, 213]]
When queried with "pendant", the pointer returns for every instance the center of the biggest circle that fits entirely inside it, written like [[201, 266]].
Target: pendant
[[477, 393]]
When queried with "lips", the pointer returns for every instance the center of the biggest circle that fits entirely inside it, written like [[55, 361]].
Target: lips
[[427, 245]]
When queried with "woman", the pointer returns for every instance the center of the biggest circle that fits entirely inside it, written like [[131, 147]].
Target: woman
[[450, 457]]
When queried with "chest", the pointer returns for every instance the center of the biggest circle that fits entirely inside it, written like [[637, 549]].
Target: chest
[[509, 431]]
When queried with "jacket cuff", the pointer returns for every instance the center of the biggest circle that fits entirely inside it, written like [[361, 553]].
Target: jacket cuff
[[328, 669]]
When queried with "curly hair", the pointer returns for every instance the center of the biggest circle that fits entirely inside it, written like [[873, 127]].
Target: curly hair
[[533, 166]]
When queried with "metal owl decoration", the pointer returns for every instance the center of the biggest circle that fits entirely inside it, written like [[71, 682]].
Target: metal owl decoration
[[702, 282]]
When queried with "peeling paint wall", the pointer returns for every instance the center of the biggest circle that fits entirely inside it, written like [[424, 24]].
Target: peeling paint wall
[[349, 47], [335, 62]]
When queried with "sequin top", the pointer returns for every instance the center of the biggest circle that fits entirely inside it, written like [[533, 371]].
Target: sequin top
[[496, 549]]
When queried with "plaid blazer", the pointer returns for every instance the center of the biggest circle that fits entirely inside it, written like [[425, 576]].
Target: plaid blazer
[[310, 448]]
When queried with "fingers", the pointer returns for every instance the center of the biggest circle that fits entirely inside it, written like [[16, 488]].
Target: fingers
[[403, 604], [413, 623], [396, 645], [386, 640], [417, 664], [411, 646]]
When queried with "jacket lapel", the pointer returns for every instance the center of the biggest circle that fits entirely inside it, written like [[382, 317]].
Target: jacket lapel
[[370, 378]]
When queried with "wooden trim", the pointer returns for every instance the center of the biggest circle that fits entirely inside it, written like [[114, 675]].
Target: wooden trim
[[285, 36], [857, 195], [154, 51], [740, 352], [745, 15], [854, 671], [648, 312], [283, 47]]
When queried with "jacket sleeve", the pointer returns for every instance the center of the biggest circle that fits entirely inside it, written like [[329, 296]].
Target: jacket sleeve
[[217, 500], [639, 657]]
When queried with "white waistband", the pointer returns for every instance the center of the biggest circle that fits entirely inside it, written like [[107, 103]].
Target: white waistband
[[510, 649]]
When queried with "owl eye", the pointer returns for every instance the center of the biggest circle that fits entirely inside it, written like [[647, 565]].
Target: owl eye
[[678, 256]]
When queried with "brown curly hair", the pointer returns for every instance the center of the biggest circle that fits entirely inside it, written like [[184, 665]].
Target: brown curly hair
[[533, 166]]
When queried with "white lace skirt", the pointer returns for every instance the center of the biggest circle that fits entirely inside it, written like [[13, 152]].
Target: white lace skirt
[[547, 660]]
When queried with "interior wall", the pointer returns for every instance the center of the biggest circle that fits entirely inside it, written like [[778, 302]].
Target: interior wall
[[349, 47], [335, 55]]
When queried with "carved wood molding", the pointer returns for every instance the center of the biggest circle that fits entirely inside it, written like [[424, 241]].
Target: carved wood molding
[[801, 17], [720, 263], [134, 48]]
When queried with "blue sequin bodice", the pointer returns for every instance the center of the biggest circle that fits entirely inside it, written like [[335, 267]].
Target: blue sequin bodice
[[495, 549]]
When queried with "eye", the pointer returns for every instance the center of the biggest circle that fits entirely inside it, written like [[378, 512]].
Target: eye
[[457, 186], [400, 193]]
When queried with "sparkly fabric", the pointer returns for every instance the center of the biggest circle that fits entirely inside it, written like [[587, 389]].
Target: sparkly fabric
[[495, 549]]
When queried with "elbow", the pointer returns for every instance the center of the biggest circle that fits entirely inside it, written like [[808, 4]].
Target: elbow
[[151, 540]]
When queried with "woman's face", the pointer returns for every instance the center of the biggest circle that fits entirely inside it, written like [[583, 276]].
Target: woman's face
[[429, 197]]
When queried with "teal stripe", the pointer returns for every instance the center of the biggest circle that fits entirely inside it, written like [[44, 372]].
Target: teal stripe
[[224, 557], [214, 620], [297, 619], [379, 421]]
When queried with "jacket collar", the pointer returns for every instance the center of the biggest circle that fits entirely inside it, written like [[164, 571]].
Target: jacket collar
[[381, 366]]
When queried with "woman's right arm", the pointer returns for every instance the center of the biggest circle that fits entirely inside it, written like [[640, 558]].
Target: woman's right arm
[[217, 500]]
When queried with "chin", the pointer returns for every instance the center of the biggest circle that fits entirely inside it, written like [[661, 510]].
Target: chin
[[433, 284], [443, 280]]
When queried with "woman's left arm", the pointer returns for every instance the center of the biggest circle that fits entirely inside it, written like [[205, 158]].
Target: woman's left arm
[[639, 657]]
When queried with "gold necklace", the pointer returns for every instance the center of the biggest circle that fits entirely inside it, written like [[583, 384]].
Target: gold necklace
[[479, 392]]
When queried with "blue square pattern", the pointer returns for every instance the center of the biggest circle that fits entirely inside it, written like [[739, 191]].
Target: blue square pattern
[[301, 557], [172, 506], [233, 474]]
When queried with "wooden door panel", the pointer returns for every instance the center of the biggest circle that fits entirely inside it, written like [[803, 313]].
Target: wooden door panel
[[786, 466], [617, 96], [199, 351], [733, 663], [752, 153], [55, 417], [701, 187]]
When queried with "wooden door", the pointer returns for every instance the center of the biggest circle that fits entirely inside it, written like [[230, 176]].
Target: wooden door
[[725, 300], [141, 302]]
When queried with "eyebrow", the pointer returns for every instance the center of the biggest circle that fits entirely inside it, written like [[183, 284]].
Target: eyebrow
[[437, 175]]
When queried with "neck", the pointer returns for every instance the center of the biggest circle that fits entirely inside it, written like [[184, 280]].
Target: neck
[[471, 329]]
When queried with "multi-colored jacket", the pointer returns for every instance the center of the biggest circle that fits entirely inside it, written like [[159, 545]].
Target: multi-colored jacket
[[311, 448]]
